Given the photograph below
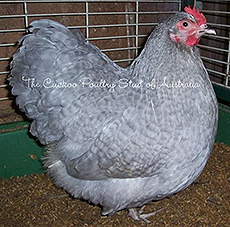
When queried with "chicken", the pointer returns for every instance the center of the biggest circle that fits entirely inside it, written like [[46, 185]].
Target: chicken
[[118, 137]]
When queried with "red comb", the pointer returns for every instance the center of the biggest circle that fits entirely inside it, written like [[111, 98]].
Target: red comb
[[200, 18]]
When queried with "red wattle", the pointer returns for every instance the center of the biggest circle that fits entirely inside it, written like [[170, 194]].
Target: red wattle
[[192, 40]]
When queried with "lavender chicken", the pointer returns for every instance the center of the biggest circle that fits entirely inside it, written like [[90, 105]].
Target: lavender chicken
[[118, 137]]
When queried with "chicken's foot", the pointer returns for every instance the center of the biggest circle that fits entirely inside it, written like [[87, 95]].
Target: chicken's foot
[[139, 216]]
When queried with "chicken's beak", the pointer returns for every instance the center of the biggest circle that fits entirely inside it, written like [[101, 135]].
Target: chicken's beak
[[210, 31], [207, 30]]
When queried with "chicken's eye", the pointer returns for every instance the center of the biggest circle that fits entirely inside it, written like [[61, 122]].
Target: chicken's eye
[[185, 24]]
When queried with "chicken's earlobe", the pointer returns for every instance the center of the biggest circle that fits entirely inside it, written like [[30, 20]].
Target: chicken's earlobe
[[175, 38]]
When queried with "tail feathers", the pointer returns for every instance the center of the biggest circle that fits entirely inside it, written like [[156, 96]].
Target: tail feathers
[[44, 53], [55, 31]]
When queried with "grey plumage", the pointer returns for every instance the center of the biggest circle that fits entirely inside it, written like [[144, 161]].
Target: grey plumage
[[120, 148]]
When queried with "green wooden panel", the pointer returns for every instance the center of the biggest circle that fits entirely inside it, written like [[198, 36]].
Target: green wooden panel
[[222, 92], [19, 153], [223, 133]]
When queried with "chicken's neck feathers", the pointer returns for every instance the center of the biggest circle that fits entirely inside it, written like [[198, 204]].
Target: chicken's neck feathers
[[161, 57]]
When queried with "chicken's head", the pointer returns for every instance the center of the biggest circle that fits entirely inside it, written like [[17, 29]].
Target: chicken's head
[[190, 29]]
